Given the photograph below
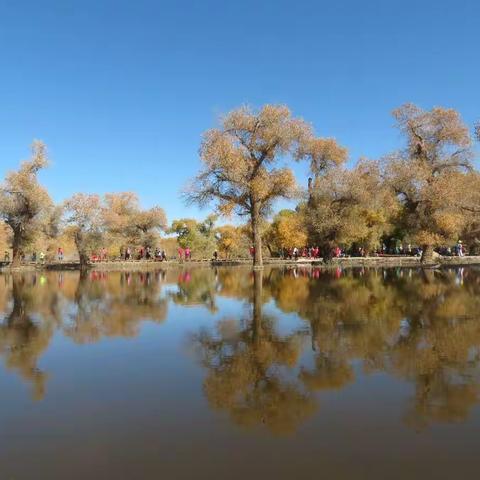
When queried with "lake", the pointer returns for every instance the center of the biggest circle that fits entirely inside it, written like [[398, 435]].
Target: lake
[[228, 373]]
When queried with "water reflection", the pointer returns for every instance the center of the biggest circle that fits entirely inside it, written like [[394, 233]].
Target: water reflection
[[32, 317], [245, 358], [114, 305], [196, 288], [84, 308], [420, 327]]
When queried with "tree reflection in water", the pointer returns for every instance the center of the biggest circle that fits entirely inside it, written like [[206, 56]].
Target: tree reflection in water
[[115, 305], [245, 359], [422, 327], [196, 288], [86, 308], [25, 331]]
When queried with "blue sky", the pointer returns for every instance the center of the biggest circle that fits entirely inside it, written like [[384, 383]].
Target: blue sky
[[122, 90]]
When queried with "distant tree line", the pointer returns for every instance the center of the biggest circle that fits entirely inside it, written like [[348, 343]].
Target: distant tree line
[[426, 193]]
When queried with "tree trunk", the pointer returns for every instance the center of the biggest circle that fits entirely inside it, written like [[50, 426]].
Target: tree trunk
[[257, 237], [327, 254], [427, 254], [16, 251], [82, 254], [83, 260]]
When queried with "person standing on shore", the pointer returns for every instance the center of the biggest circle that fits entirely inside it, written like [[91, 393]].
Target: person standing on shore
[[180, 253]]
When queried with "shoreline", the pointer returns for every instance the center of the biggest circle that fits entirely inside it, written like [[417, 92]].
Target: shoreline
[[347, 262]]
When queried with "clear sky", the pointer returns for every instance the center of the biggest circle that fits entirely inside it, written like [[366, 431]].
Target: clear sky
[[122, 90]]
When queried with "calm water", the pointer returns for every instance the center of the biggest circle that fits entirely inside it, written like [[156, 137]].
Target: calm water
[[203, 373]]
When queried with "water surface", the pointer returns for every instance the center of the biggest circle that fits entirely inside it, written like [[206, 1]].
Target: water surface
[[227, 373]]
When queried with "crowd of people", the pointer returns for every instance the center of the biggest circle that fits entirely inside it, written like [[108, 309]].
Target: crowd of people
[[23, 257], [143, 253], [292, 253], [305, 252]]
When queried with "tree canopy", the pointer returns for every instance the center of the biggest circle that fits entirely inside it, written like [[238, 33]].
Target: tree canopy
[[241, 164], [349, 207], [428, 175], [24, 203]]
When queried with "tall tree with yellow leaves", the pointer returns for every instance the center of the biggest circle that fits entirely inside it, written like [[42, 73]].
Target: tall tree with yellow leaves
[[242, 169], [84, 222], [349, 206], [287, 230], [232, 241], [127, 222], [428, 176], [24, 204]]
